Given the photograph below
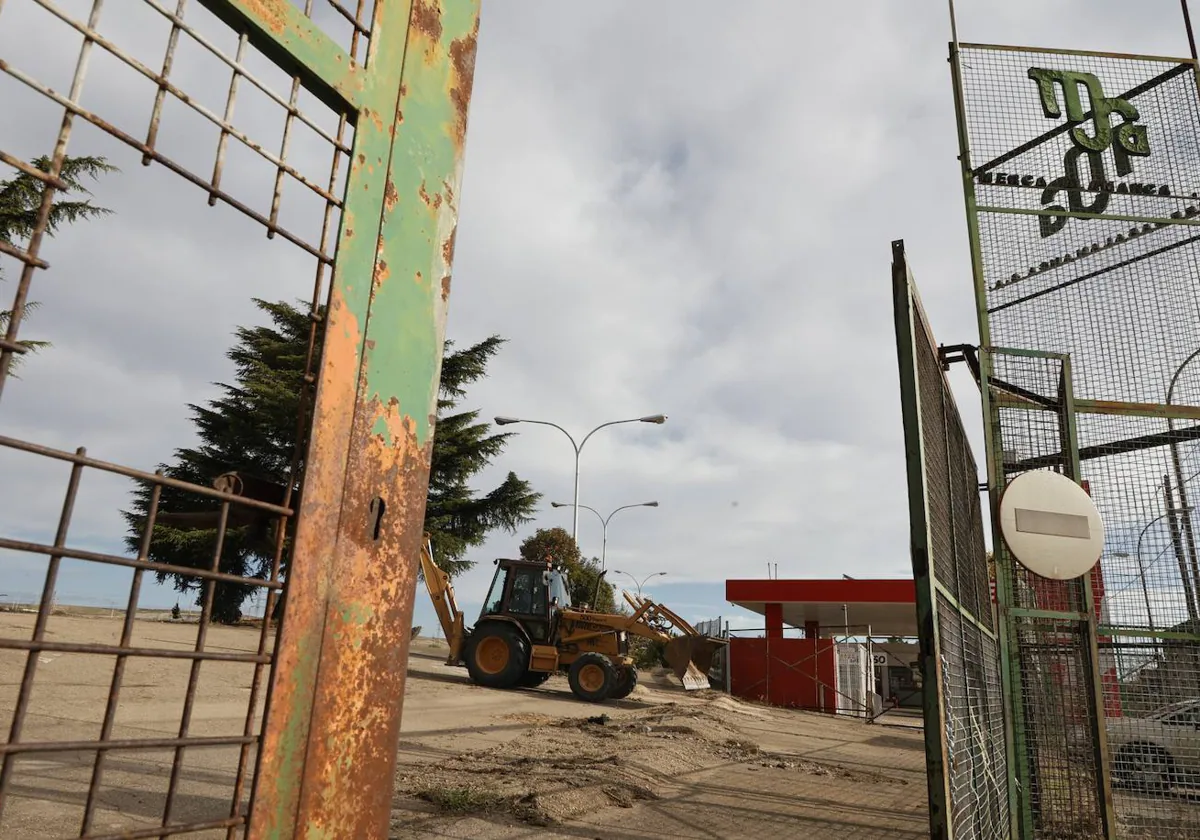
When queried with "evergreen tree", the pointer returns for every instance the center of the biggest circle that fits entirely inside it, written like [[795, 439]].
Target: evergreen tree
[[251, 428], [582, 573], [20, 201]]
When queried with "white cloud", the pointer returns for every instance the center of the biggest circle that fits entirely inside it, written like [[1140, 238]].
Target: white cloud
[[675, 207]]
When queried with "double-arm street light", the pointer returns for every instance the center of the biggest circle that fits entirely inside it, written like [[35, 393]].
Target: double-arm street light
[[650, 418], [635, 580], [604, 522]]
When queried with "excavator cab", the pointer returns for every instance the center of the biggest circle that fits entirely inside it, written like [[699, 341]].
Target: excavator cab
[[522, 592]]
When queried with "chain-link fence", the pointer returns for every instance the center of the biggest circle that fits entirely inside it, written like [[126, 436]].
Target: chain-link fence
[[1082, 178], [960, 651]]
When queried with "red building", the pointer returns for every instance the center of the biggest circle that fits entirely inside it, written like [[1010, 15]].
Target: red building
[[801, 673]]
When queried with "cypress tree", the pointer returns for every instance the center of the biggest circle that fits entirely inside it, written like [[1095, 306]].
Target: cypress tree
[[250, 428]]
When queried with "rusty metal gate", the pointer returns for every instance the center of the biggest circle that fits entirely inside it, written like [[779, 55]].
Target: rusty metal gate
[[393, 90], [961, 654]]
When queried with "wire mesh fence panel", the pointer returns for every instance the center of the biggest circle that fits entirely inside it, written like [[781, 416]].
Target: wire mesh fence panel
[[286, 118], [965, 735], [1082, 179]]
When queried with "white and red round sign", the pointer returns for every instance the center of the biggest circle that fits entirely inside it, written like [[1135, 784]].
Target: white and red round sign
[[1051, 525]]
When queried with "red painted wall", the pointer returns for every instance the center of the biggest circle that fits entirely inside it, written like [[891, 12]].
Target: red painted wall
[[794, 673], [1054, 595]]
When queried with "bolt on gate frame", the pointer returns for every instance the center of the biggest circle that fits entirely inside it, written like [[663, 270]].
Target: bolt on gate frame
[[321, 763]]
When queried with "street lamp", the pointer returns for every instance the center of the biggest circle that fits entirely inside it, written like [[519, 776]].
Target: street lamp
[[658, 419], [635, 580], [1177, 463], [604, 522], [1124, 555]]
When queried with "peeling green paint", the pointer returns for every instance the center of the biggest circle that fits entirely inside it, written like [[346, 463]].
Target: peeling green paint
[[406, 358], [282, 32], [387, 301]]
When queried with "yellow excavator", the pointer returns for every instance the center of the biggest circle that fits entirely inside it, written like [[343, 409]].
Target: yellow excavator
[[529, 629]]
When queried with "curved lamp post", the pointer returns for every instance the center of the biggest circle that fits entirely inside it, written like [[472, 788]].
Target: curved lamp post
[[604, 523], [1191, 582], [578, 447], [635, 580]]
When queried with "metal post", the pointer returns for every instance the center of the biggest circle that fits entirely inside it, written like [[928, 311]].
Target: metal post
[[728, 661], [603, 543], [329, 743], [1189, 591], [575, 506], [1192, 580], [1145, 592]]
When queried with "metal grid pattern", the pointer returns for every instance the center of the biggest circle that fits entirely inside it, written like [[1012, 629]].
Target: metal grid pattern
[[1056, 698], [1150, 633], [964, 706], [1085, 252], [974, 702], [298, 110], [1055, 729], [1119, 292]]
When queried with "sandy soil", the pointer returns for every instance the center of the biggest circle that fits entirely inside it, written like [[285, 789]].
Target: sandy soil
[[663, 763], [474, 762]]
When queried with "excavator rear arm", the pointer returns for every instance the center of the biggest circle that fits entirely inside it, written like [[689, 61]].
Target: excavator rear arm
[[441, 592]]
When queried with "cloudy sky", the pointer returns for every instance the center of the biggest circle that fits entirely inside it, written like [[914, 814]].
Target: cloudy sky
[[676, 207]]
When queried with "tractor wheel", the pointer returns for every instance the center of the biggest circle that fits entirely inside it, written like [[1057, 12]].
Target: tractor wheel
[[497, 656], [627, 680], [592, 677], [533, 679]]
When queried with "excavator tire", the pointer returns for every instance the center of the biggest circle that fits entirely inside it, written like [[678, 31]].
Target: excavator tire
[[627, 680], [533, 679], [497, 656], [592, 677]]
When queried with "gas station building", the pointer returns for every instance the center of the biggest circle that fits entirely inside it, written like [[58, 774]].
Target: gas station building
[[823, 670]]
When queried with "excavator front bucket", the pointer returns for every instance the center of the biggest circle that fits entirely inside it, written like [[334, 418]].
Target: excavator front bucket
[[690, 657]]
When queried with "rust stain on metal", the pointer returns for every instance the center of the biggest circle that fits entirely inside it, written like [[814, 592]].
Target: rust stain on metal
[[286, 735], [367, 624], [448, 247], [446, 288], [434, 201], [374, 117], [390, 196], [462, 57], [381, 274], [427, 18], [269, 12]]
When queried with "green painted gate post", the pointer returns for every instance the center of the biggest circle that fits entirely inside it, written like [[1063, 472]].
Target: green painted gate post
[[333, 723]]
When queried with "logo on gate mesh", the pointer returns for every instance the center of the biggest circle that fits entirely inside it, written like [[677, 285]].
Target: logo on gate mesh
[[1099, 126], [1092, 134]]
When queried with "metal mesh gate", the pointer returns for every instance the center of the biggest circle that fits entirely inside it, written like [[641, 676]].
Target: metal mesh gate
[[1081, 172], [960, 651], [382, 88]]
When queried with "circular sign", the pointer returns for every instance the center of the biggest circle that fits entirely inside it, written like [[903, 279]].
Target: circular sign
[[1051, 525]]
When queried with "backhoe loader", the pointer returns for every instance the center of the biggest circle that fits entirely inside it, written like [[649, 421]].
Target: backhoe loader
[[528, 629]]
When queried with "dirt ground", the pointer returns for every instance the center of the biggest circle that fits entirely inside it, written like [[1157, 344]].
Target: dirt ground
[[473, 762]]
